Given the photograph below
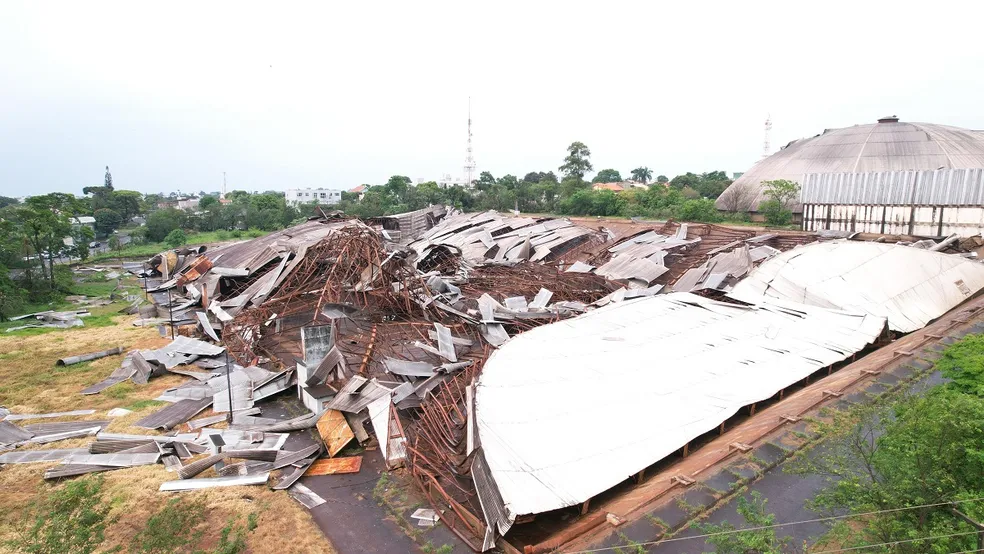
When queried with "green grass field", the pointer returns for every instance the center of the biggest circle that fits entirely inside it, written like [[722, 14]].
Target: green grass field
[[148, 249]]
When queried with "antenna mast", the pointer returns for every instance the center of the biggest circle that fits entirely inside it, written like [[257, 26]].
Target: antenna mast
[[469, 159], [768, 129], [223, 186]]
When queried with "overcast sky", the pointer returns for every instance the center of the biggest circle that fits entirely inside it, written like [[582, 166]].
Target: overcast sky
[[333, 94]]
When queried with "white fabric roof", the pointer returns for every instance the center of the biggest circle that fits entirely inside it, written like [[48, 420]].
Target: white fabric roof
[[908, 286], [570, 409]]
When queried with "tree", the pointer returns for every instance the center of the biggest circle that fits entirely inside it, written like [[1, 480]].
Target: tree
[[107, 221], [688, 179], [8, 201], [207, 202], [126, 203], [920, 451], [662, 179], [738, 197], [398, 185], [11, 296], [176, 238], [607, 176], [782, 191], [162, 222], [108, 180], [761, 541], [642, 174], [577, 162], [485, 181], [115, 244]]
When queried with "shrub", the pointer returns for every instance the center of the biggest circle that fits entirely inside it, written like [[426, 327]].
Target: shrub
[[775, 213], [700, 210], [176, 238]]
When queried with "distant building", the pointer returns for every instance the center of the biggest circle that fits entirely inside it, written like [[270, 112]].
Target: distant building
[[447, 180], [188, 203], [360, 190], [617, 187], [86, 220], [321, 196]]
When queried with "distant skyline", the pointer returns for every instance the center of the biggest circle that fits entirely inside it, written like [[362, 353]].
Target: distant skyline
[[170, 96]]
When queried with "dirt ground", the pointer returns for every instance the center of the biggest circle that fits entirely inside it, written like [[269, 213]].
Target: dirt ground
[[30, 382]]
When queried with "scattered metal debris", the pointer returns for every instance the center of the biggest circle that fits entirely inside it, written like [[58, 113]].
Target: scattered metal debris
[[71, 360]]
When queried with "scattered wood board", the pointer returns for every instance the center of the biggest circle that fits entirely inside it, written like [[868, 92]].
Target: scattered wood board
[[335, 431], [334, 466]]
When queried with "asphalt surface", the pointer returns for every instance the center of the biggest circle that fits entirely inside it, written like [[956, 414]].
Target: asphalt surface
[[786, 494]]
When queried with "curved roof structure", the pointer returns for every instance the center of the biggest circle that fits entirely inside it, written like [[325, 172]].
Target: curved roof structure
[[908, 286], [889, 145], [570, 409]]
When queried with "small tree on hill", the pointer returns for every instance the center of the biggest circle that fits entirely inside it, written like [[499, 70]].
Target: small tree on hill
[[176, 238]]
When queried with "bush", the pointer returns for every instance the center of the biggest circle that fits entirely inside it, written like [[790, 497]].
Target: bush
[[11, 296], [236, 233], [162, 222], [176, 238], [775, 214], [222, 234], [700, 210]]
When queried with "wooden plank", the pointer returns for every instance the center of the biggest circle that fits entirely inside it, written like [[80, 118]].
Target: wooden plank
[[335, 466], [335, 431]]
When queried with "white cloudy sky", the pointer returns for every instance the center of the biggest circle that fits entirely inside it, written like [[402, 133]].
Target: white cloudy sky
[[282, 94]]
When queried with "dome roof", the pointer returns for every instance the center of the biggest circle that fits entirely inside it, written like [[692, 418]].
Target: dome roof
[[889, 145]]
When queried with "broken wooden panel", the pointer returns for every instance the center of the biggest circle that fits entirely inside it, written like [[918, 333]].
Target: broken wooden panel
[[335, 466], [334, 431]]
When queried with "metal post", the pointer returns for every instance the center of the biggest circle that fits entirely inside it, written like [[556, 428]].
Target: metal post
[[228, 374], [170, 313], [976, 524]]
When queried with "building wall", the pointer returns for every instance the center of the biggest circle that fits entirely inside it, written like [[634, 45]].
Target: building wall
[[928, 221], [321, 196], [924, 203]]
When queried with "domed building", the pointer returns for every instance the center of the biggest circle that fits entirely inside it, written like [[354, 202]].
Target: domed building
[[880, 158]]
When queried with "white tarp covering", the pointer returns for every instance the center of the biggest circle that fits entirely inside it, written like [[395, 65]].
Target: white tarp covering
[[570, 409], [908, 286]]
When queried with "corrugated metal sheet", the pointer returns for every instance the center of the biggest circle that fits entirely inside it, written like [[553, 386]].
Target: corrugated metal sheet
[[682, 365], [880, 147], [908, 286], [32, 456], [942, 187], [175, 414]]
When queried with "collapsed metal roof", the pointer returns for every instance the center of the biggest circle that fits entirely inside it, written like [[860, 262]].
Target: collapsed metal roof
[[908, 286], [546, 449]]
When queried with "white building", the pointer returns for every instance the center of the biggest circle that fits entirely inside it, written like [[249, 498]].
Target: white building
[[321, 196], [447, 180], [190, 203]]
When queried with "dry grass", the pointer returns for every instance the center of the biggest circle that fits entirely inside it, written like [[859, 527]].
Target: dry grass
[[31, 383]]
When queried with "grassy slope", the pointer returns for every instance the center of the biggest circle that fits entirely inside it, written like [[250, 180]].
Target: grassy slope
[[151, 248], [30, 382]]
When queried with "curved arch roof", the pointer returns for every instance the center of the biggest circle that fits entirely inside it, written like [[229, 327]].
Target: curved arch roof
[[885, 146]]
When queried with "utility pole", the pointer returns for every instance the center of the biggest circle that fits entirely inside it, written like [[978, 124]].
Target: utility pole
[[469, 158], [768, 129]]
